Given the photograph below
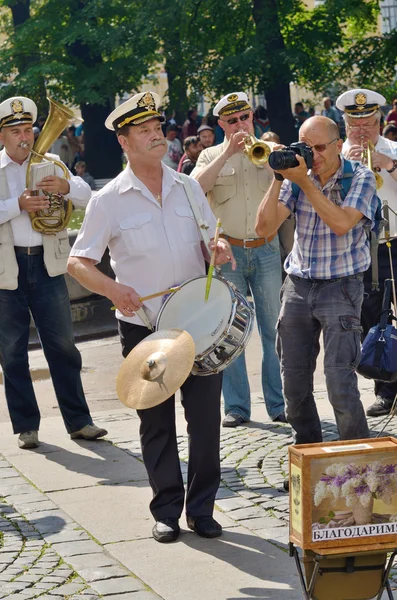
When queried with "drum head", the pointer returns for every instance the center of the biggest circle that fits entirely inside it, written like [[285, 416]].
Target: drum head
[[187, 309]]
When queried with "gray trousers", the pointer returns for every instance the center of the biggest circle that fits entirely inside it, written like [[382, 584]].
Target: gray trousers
[[308, 307]]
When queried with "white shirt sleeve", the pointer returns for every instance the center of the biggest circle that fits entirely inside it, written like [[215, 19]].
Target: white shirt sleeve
[[80, 192], [9, 209], [95, 232]]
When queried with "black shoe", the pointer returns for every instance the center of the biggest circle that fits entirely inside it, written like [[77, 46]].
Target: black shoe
[[381, 406], [166, 530], [204, 526], [286, 485], [281, 418], [233, 420]]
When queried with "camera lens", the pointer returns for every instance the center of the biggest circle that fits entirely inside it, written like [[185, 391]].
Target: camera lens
[[282, 159]]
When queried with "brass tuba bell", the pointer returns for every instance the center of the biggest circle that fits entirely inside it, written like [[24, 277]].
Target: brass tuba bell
[[256, 150], [57, 216]]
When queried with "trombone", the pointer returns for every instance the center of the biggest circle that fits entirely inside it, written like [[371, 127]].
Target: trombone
[[366, 158]]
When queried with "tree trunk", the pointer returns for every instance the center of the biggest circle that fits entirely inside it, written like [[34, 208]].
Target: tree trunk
[[275, 74], [278, 100], [20, 11], [102, 152], [176, 76]]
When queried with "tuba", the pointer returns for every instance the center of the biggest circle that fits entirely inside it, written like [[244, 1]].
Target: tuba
[[366, 159], [56, 217], [256, 150]]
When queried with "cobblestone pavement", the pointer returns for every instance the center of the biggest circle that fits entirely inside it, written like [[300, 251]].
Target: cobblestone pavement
[[254, 463], [45, 554]]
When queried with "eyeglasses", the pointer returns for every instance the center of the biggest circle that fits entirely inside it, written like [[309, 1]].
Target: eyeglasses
[[366, 126], [235, 120], [322, 147]]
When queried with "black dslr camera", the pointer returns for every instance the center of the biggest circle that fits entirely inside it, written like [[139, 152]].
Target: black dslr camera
[[286, 158]]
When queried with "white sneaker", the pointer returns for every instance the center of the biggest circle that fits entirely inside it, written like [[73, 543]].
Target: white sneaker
[[88, 432], [28, 439]]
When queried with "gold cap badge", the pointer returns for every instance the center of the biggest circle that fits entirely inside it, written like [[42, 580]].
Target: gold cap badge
[[232, 98], [17, 107], [360, 99], [147, 101]]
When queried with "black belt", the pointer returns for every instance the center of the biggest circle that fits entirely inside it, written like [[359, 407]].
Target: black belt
[[30, 250], [359, 276]]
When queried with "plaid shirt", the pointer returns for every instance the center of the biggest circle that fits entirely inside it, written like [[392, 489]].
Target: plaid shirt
[[318, 253]]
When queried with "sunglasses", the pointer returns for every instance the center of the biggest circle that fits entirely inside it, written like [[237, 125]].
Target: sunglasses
[[322, 147], [235, 120], [366, 126]]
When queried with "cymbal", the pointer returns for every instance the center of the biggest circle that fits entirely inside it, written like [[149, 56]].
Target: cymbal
[[156, 368]]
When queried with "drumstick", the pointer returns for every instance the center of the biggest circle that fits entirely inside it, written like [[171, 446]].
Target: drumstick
[[212, 263], [156, 295]]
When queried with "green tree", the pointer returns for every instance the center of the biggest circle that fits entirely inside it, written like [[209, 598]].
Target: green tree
[[86, 52], [264, 45]]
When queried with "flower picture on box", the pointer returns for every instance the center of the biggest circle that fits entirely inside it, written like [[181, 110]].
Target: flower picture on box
[[354, 497]]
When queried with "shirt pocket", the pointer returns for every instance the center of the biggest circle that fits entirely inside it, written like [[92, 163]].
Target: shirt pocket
[[264, 179], [187, 226], [138, 233], [225, 188]]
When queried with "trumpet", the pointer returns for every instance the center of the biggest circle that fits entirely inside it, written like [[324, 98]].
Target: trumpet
[[366, 158], [257, 151]]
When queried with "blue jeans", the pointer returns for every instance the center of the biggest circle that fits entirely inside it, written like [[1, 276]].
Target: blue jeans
[[48, 300], [258, 270], [307, 308]]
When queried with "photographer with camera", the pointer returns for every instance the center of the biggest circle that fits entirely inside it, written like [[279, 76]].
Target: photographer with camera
[[324, 287]]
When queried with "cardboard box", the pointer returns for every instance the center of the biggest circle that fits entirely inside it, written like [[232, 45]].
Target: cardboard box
[[344, 494]]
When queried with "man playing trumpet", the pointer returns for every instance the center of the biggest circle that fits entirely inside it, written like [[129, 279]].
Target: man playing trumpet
[[31, 282], [362, 116], [235, 188]]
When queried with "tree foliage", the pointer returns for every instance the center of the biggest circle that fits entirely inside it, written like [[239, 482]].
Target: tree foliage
[[88, 51]]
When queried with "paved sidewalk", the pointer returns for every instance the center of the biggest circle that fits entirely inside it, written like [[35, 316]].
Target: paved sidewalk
[[75, 520]]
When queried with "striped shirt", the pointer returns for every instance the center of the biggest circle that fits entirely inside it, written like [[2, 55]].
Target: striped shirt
[[318, 253]]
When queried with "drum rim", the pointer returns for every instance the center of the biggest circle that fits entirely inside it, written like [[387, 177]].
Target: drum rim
[[236, 296]]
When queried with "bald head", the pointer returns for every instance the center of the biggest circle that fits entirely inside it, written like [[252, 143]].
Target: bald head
[[320, 125], [322, 136]]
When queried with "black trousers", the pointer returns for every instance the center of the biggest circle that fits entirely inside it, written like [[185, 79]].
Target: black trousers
[[372, 306], [201, 402]]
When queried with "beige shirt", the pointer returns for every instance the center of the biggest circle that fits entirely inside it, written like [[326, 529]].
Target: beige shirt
[[238, 191]]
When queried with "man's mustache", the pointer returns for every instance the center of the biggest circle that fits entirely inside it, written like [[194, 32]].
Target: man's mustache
[[157, 143]]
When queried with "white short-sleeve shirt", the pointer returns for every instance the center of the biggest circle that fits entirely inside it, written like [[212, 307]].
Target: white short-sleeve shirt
[[24, 234], [388, 191], [152, 247]]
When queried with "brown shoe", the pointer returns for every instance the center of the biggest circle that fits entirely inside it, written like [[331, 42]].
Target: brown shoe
[[88, 432]]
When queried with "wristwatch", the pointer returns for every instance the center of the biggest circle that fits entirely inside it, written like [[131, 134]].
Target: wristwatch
[[394, 167]]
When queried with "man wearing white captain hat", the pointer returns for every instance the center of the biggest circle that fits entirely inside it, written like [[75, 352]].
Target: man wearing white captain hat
[[235, 188], [31, 281], [143, 215], [362, 114]]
